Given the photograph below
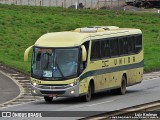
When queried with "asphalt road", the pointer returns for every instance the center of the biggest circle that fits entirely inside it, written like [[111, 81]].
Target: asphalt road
[[145, 92], [8, 89]]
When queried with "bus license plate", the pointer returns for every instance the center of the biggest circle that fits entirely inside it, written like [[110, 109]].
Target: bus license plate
[[52, 95]]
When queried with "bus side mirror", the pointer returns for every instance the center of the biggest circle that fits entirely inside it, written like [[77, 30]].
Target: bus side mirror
[[27, 52], [84, 53]]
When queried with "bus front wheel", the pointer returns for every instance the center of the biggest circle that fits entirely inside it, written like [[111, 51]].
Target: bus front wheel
[[48, 99], [87, 97]]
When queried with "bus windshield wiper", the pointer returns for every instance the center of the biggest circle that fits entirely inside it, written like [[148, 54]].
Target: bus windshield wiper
[[60, 71]]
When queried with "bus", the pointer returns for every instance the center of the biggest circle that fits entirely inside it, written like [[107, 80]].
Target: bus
[[85, 61]]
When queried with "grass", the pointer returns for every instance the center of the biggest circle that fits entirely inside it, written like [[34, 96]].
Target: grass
[[21, 26]]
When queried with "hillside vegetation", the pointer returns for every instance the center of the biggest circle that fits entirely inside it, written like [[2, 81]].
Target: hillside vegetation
[[21, 26]]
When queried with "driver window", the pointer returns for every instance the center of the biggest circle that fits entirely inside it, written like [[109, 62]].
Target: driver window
[[84, 64]]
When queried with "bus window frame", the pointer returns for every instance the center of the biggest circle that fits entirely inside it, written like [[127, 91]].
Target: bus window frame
[[66, 78], [105, 39], [117, 37]]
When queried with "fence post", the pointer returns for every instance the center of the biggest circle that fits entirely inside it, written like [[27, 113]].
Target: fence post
[[76, 5]]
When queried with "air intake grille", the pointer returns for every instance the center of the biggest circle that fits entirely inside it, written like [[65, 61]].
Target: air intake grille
[[53, 92]]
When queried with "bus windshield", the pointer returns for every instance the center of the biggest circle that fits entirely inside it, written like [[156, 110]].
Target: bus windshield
[[50, 63]]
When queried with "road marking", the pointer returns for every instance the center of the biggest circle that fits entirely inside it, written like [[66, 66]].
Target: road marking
[[13, 74], [148, 80], [100, 103], [17, 77]]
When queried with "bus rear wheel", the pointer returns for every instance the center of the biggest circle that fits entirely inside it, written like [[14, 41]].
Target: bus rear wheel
[[122, 89], [87, 97], [48, 99]]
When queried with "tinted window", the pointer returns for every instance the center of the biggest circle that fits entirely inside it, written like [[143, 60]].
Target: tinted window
[[121, 45], [125, 44], [105, 48], [138, 43], [95, 50], [131, 44], [114, 47]]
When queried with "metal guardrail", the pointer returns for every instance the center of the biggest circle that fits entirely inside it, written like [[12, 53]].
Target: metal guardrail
[[139, 111]]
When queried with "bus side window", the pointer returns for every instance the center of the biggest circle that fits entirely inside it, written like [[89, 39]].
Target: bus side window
[[125, 42], [95, 50], [131, 44], [114, 47], [86, 44], [138, 44], [105, 49], [121, 45], [84, 64]]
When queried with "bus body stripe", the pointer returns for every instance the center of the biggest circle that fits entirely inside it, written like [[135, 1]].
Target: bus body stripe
[[112, 69]]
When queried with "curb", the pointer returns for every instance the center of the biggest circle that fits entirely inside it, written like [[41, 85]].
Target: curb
[[20, 88]]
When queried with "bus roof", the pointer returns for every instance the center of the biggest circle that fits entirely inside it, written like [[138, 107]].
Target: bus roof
[[80, 35]]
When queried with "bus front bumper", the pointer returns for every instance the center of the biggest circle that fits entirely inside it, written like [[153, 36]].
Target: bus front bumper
[[54, 92]]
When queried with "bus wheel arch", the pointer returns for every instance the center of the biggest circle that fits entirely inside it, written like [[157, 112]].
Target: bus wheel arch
[[125, 75], [122, 89], [91, 87]]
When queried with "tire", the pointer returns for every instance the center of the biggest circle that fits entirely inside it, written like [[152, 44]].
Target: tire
[[122, 89], [88, 96], [48, 99]]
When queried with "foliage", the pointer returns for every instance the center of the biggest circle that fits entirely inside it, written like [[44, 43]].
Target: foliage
[[21, 26]]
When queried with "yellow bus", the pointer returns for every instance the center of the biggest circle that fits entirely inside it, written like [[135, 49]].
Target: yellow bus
[[86, 61]]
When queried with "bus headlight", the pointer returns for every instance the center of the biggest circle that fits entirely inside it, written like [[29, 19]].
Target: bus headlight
[[35, 84], [72, 92], [74, 83]]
